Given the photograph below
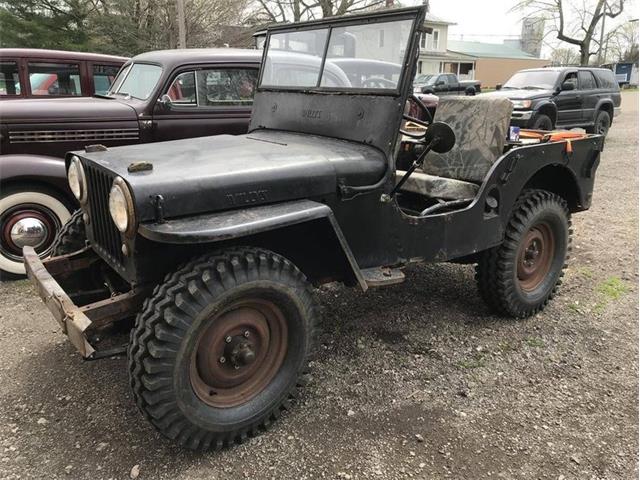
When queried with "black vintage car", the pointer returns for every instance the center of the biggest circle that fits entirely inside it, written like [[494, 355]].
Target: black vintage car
[[563, 97], [215, 243], [153, 98]]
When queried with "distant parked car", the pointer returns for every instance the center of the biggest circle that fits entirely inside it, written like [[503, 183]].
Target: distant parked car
[[567, 97], [421, 81], [35, 73], [449, 84], [163, 95]]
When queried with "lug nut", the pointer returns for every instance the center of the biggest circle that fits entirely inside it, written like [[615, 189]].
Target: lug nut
[[228, 339], [223, 359], [246, 334]]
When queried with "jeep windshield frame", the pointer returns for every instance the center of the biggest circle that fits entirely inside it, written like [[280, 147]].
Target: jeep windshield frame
[[407, 21]]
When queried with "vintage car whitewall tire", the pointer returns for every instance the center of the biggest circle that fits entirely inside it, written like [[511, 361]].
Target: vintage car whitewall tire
[[28, 217]]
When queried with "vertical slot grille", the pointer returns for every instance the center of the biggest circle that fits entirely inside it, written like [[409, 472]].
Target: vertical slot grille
[[105, 234]]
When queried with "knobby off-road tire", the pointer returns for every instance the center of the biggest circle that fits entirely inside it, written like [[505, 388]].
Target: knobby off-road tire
[[520, 276], [601, 125], [71, 237], [542, 122], [209, 306]]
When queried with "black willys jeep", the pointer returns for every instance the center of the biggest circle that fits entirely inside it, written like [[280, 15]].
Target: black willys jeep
[[215, 242]]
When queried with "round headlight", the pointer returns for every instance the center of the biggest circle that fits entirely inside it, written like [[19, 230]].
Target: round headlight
[[121, 205], [77, 180]]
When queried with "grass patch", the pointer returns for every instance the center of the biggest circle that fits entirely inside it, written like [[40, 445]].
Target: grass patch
[[535, 342], [612, 288], [471, 363]]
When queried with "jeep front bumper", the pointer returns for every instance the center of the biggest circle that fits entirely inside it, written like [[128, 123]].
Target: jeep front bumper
[[77, 321]]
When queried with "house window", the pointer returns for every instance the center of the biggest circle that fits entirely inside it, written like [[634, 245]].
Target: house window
[[381, 39], [419, 67], [435, 39], [423, 41]]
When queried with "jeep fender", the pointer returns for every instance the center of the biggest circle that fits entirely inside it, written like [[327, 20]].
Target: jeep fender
[[295, 224]]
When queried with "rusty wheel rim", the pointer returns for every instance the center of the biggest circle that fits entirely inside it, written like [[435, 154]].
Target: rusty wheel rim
[[535, 256], [238, 353]]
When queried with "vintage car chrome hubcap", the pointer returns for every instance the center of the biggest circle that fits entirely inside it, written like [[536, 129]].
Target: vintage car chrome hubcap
[[28, 231], [26, 226]]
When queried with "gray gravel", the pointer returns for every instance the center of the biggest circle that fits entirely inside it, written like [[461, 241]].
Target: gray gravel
[[413, 381]]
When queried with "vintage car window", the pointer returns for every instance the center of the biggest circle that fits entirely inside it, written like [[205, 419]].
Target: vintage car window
[[54, 79], [137, 81], [103, 76], [183, 90], [532, 80], [375, 53], [224, 87], [9, 79], [302, 49]]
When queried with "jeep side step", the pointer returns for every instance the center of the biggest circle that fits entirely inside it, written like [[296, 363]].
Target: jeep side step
[[382, 276]]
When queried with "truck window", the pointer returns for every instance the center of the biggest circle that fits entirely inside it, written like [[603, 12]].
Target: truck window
[[224, 87], [183, 90], [586, 80], [54, 79], [9, 79], [571, 77], [103, 76]]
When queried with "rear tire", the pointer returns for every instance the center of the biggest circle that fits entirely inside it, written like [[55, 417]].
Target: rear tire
[[542, 122], [250, 300], [71, 237], [602, 124], [520, 276]]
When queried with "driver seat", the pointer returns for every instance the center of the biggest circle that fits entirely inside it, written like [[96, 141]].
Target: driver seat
[[481, 125]]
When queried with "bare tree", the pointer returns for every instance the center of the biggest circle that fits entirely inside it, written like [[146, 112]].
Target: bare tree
[[275, 11], [564, 56], [575, 23], [621, 44]]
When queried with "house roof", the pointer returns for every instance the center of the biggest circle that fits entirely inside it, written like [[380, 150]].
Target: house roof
[[431, 18], [487, 50]]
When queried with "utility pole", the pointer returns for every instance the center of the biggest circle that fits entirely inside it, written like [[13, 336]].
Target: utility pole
[[604, 16], [182, 31]]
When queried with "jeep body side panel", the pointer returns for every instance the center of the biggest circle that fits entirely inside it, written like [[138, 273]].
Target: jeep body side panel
[[235, 224]]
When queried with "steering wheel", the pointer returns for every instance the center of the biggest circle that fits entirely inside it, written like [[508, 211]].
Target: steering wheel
[[417, 121]]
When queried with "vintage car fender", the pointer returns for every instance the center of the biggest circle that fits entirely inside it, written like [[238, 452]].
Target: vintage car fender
[[37, 169], [221, 226]]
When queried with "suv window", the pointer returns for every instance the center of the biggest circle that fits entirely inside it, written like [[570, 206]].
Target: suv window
[[103, 76], [183, 89], [54, 79], [9, 79], [572, 77], [586, 80], [223, 87], [606, 79]]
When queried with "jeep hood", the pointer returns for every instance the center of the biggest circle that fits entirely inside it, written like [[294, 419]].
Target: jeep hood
[[68, 110], [223, 172]]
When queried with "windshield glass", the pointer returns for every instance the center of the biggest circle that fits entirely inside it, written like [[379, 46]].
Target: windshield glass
[[422, 78], [366, 56], [137, 80], [534, 80]]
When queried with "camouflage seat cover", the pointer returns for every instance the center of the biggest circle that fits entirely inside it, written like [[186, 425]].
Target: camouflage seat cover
[[481, 126]]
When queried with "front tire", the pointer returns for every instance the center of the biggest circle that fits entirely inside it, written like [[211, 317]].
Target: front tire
[[250, 307], [28, 216], [520, 276], [542, 122], [71, 237]]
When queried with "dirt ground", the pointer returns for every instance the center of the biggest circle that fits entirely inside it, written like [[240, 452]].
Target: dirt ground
[[413, 381]]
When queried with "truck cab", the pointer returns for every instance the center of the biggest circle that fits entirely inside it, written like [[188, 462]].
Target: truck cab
[[215, 244]]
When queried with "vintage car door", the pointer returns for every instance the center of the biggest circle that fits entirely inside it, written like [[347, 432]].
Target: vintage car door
[[206, 100]]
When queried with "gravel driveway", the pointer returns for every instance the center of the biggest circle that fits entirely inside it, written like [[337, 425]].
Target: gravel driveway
[[417, 380]]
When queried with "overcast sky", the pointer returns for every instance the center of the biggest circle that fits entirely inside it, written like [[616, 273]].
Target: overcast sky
[[491, 21]]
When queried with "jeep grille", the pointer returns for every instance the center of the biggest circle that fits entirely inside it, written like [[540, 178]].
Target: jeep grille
[[49, 136], [106, 237]]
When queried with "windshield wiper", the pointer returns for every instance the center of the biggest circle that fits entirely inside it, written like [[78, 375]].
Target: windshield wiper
[[533, 87], [103, 95]]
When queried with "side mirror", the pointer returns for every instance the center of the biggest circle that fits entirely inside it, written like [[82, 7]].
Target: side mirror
[[165, 101], [443, 135], [498, 86], [427, 90], [439, 82], [568, 86]]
